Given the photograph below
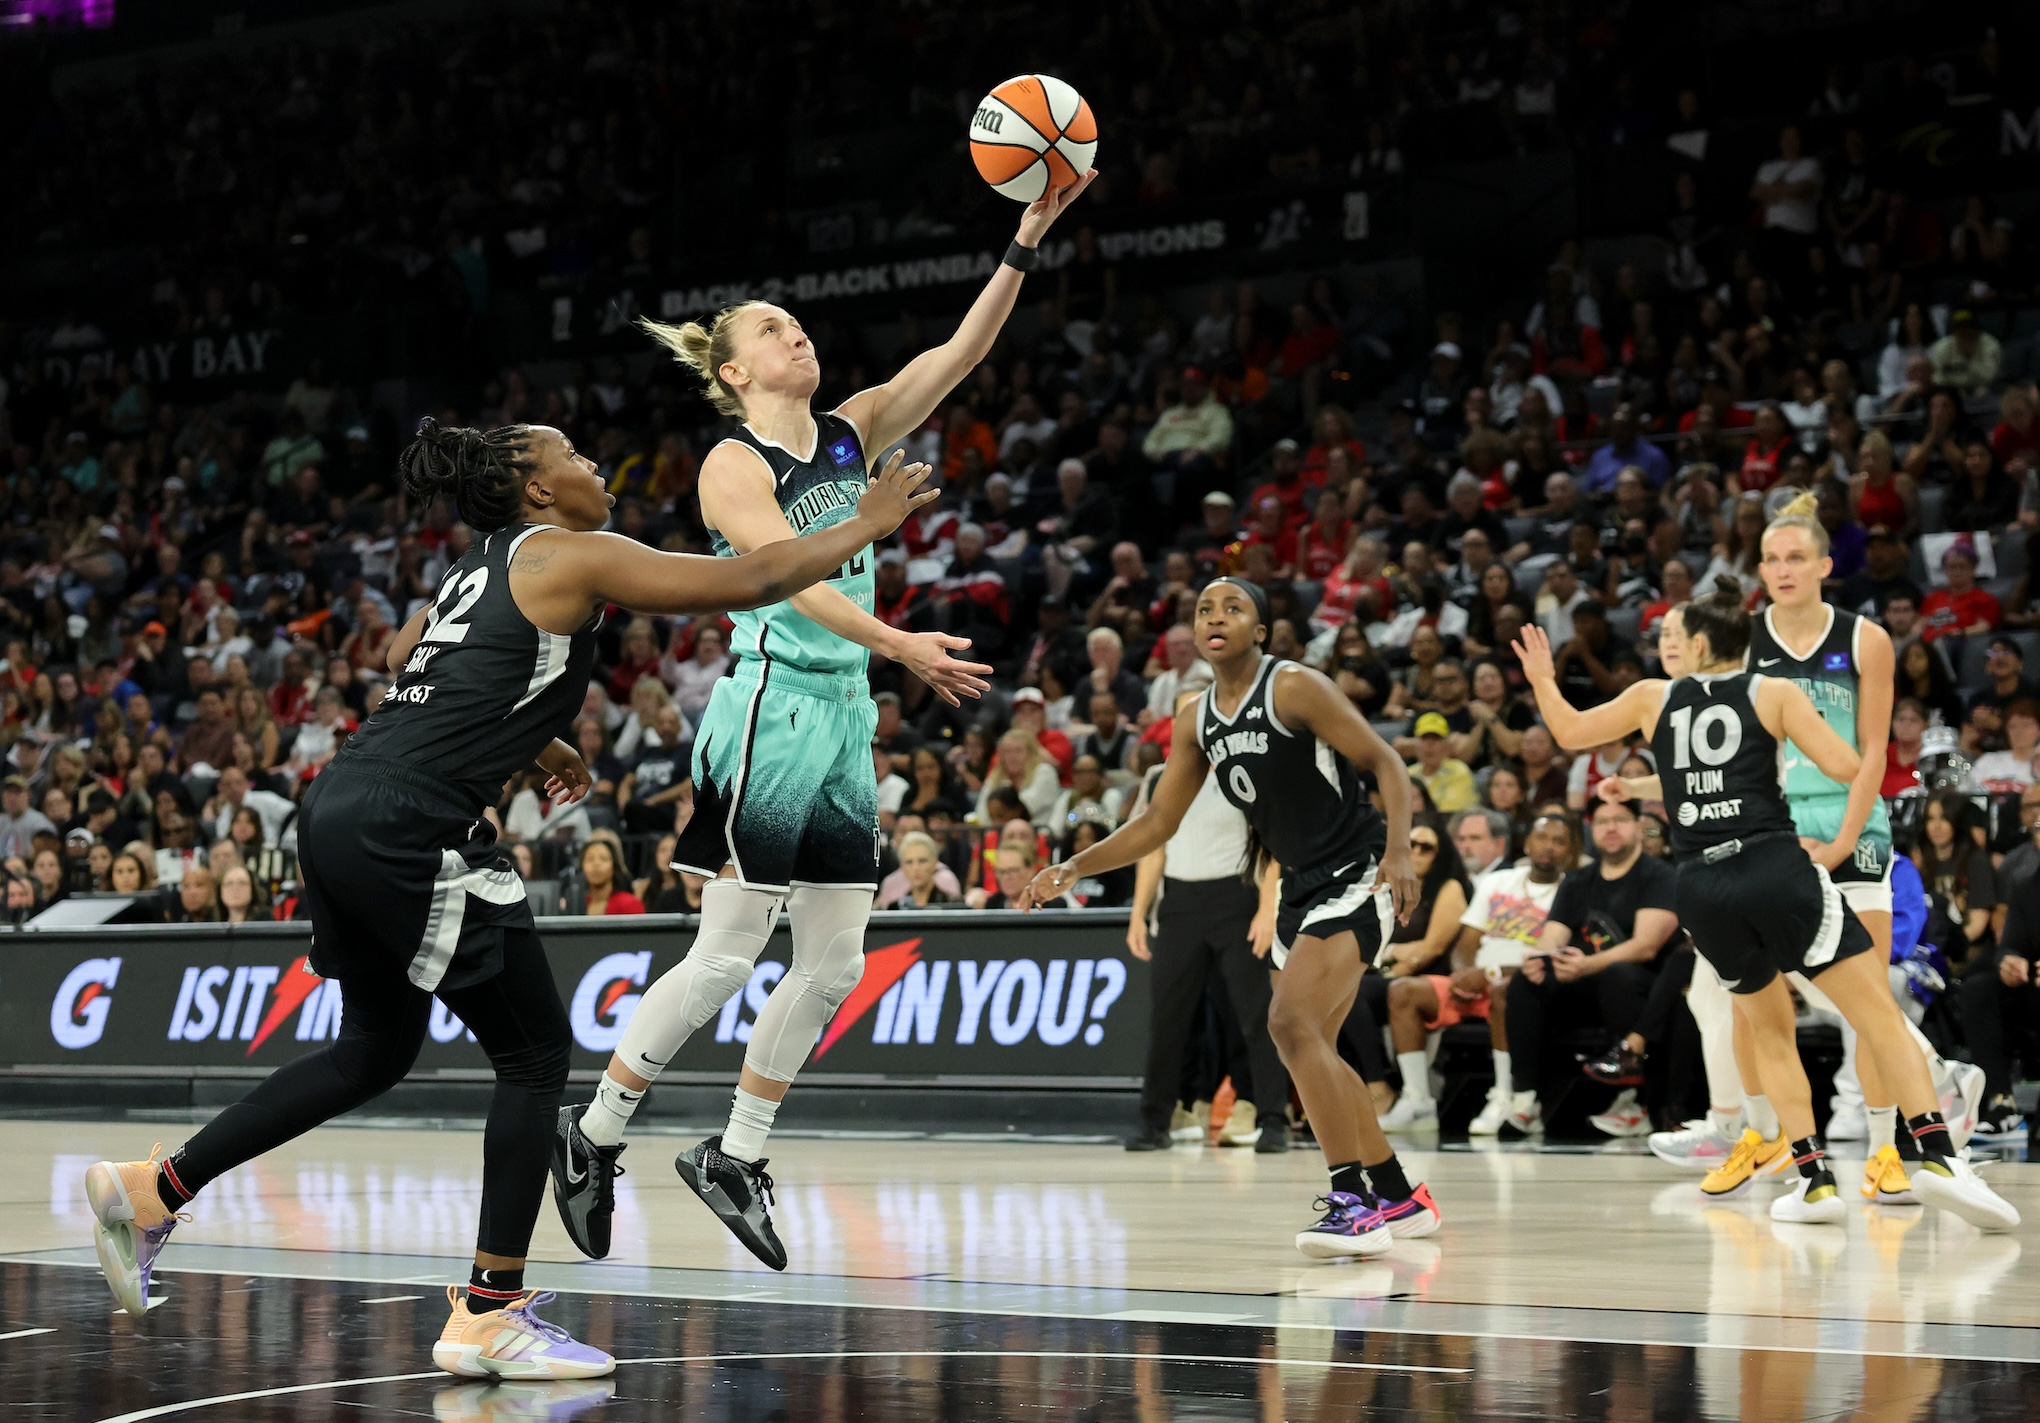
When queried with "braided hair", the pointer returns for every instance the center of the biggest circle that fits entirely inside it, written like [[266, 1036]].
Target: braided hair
[[480, 471]]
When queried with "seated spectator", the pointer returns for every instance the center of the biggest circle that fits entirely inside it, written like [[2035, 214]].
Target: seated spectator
[[2000, 998], [1504, 920], [1596, 953], [2005, 668], [2011, 770], [1287, 484], [1968, 357], [919, 863], [19, 822], [661, 782], [602, 869], [1014, 867], [238, 900], [1111, 737], [197, 898], [1182, 671], [692, 680], [1626, 449], [1902, 751], [1021, 768], [1088, 792], [319, 738], [1447, 778], [1962, 608], [1107, 651], [667, 890], [1192, 437], [533, 815], [1983, 497], [1031, 715], [1499, 719], [1960, 881]]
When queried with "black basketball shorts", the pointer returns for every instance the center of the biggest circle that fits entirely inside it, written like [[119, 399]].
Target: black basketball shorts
[[1766, 911], [1327, 901], [400, 868]]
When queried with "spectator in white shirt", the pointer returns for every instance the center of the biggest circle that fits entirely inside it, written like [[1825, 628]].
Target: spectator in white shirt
[[319, 738], [2012, 769], [1186, 672], [1789, 188], [695, 678]]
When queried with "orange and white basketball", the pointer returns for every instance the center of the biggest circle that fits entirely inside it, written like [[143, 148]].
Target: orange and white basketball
[[1031, 135]]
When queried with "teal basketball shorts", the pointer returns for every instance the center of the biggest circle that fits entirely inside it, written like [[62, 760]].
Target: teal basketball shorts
[[1865, 877], [784, 790]]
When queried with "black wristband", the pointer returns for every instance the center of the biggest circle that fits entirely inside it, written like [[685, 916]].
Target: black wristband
[[1022, 259]]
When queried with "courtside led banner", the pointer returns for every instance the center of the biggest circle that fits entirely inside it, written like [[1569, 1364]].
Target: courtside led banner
[[943, 995]]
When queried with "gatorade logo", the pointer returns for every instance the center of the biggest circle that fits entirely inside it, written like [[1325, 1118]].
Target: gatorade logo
[[78, 1013], [604, 1000]]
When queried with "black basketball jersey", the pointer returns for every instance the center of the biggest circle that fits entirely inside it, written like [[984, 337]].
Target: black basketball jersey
[[485, 689], [1718, 765], [1301, 797]]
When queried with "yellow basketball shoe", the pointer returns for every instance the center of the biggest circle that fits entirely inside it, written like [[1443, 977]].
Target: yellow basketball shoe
[[1752, 1157], [1884, 1180]]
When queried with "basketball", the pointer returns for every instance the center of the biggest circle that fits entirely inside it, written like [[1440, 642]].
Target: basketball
[[1031, 135]]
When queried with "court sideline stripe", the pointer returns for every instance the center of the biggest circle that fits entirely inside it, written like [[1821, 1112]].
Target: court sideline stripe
[[168, 1409], [25, 1333]]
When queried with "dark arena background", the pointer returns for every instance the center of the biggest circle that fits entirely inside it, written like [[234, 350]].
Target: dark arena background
[[1434, 319]]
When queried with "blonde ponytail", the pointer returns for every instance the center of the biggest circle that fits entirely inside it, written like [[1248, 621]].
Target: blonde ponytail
[[705, 350], [1801, 511]]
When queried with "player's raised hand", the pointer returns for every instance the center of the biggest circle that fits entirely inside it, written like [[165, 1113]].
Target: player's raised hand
[[1614, 789], [1533, 650], [1047, 208], [926, 655], [1051, 884], [894, 493]]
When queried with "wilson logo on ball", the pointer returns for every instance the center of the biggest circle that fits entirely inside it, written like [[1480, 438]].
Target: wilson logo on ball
[[1033, 134]]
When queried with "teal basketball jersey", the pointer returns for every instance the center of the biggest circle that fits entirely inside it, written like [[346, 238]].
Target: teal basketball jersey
[[814, 493], [1829, 677]]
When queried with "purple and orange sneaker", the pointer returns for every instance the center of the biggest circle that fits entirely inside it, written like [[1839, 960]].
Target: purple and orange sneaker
[[1352, 1229], [1419, 1215], [130, 1225], [514, 1343]]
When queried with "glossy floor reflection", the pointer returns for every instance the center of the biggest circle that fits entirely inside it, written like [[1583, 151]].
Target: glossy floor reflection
[[980, 1279]]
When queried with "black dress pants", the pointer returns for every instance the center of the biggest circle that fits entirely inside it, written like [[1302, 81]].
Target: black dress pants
[[1615, 998], [1998, 1020], [1203, 930]]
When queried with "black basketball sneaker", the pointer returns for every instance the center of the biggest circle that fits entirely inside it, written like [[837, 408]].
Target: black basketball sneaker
[[739, 1192], [584, 1184]]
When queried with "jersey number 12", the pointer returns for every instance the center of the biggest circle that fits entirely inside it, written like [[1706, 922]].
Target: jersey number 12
[[447, 626]]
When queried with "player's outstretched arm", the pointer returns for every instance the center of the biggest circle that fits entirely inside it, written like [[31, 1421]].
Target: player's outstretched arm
[[891, 412], [555, 577], [1788, 715], [1307, 700], [1635, 710], [737, 502], [1182, 776]]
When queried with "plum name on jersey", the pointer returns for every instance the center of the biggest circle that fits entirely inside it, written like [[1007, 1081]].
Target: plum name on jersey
[[1238, 743], [822, 499], [1699, 783]]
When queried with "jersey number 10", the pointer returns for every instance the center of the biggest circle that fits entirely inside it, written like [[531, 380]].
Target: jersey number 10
[[1691, 736]]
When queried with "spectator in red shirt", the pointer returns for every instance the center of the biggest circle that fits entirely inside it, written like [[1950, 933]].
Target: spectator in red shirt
[[639, 657], [1305, 353], [290, 700], [1334, 430], [1961, 609], [1288, 484], [1716, 392], [1322, 544], [1271, 529], [1765, 455], [1030, 714]]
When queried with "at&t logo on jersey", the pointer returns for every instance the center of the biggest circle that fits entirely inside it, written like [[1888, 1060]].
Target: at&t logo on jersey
[[605, 1000], [78, 1013], [1691, 813]]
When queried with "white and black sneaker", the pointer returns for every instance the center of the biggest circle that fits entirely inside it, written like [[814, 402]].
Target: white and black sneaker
[[739, 1192], [584, 1183]]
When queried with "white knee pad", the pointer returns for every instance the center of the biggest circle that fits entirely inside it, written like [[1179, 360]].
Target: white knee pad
[[828, 959], [735, 924]]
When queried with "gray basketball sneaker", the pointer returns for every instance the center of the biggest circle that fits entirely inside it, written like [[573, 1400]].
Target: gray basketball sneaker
[[739, 1192], [584, 1183]]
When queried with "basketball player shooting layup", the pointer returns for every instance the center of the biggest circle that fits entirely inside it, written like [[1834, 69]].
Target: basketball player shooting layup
[[410, 897], [786, 804], [1285, 743], [1757, 905]]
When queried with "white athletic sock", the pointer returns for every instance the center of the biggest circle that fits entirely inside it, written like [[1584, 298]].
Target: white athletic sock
[[1728, 1123], [1416, 1074], [1762, 1119], [750, 1123], [609, 1113], [1883, 1127], [1505, 1082]]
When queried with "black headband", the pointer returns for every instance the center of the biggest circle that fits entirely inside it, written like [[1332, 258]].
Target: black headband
[[1254, 591]]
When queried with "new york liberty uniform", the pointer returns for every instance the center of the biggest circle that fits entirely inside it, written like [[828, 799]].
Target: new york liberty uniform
[[784, 787], [1829, 676]]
